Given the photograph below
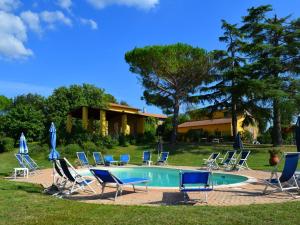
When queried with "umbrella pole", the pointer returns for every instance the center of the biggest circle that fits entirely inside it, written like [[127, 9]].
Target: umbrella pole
[[53, 173]]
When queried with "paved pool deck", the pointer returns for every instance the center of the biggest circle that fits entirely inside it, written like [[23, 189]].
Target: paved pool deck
[[244, 194]]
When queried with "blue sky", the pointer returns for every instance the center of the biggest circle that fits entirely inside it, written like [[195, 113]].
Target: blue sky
[[49, 43]]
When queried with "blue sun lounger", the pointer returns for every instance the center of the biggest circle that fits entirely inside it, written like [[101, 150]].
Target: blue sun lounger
[[228, 161], [147, 158], [124, 159], [30, 162], [105, 177], [98, 158], [163, 158], [211, 162], [78, 182], [242, 162], [195, 181], [83, 159], [109, 159], [287, 180]]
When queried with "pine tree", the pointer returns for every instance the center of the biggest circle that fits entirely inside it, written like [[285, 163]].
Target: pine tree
[[272, 47]]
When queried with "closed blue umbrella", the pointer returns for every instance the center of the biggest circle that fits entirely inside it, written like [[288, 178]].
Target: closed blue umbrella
[[53, 153], [297, 134], [238, 144], [23, 149]]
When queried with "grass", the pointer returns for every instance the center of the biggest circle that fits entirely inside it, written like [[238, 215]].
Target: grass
[[181, 155], [22, 203]]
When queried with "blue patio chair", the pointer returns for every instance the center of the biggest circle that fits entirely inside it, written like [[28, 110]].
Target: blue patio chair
[[287, 180], [195, 181], [32, 165], [124, 159], [83, 159], [147, 158], [78, 182], [20, 161], [98, 158], [109, 159], [228, 161], [242, 162], [163, 158], [211, 162], [105, 177]]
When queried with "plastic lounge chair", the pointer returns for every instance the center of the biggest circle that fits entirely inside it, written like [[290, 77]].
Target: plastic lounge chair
[[242, 162], [83, 159], [98, 158], [211, 162], [60, 178], [287, 180], [195, 181], [109, 159], [20, 161], [147, 158], [104, 177], [124, 159], [163, 158], [78, 182], [30, 162], [228, 161]]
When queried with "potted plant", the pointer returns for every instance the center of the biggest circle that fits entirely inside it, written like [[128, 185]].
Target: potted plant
[[274, 156]]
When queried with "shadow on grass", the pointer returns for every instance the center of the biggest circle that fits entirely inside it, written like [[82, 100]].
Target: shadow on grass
[[17, 186]]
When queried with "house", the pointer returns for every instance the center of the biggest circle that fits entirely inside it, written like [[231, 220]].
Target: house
[[113, 120], [219, 124]]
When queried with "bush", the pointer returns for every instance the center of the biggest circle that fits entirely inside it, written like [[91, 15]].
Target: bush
[[247, 136], [35, 148], [109, 141], [89, 146], [123, 140], [194, 135], [6, 144], [70, 150], [265, 138]]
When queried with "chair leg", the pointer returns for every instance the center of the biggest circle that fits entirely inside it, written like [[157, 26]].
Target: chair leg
[[133, 188], [103, 187]]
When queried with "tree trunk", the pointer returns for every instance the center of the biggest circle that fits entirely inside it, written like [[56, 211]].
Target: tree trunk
[[277, 136], [175, 121], [234, 120]]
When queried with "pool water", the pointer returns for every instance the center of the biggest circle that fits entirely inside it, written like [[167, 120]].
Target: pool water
[[166, 177]]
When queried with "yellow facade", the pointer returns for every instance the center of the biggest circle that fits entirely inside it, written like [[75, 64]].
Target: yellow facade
[[116, 119], [219, 124]]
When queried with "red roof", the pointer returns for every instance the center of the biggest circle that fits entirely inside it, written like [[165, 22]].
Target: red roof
[[155, 115], [205, 122]]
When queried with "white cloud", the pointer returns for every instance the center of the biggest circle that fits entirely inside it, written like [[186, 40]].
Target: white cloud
[[32, 20], [89, 22], [55, 17], [143, 4], [13, 36], [65, 4], [9, 5]]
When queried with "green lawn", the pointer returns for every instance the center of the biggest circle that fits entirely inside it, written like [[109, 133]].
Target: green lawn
[[22, 203]]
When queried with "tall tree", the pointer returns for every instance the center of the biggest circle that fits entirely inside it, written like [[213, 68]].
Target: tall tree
[[170, 74], [227, 92], [273, 50], [25, 114]]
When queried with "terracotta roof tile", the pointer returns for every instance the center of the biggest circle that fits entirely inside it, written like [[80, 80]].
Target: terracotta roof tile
[[205, 122]]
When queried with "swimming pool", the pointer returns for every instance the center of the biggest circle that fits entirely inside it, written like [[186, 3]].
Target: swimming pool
[[166, 177]]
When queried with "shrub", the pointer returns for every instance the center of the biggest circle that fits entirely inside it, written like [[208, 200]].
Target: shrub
[[265, 138], [247, 136], [109, 141], [194, 135], [71, 149], [89, 146], [123, 140], [35, 148], [6, 144]]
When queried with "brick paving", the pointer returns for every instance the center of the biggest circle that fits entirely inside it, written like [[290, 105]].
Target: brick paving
[[245, 194]]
